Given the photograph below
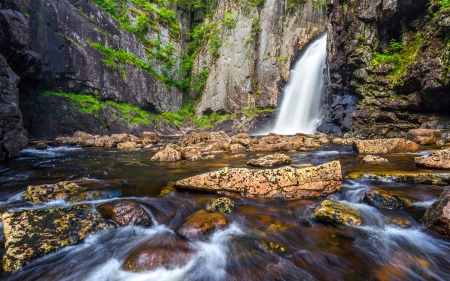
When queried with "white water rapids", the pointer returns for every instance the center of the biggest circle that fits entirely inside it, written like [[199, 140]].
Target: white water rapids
[[300, 110]]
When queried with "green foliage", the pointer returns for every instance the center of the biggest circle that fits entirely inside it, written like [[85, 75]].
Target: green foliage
[[400, 56], [322, 4], [281, 58], [257, 3], [230, 20], [443, 4], [293, 4], [27, 15]]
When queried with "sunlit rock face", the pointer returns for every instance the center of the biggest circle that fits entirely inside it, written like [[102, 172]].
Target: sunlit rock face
[[386, 80]]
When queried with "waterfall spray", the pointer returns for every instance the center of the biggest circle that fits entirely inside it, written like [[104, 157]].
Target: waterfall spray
[[300, 110]]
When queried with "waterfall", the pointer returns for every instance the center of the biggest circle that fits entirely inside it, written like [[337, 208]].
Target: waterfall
[[300, 110]]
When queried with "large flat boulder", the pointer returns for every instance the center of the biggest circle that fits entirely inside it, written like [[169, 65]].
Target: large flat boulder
[[403, 176], [424, 136], [51, 192], [384, 146], [438, 160], [285, 182], [437, 216], [30, 234]]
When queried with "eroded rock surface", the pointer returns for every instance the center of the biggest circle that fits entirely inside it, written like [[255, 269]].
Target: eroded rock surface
[[30, 234], [284, 182], [337, 213], [379, 146], [438, 160], [437, 216], [125, 212], [276, 159]]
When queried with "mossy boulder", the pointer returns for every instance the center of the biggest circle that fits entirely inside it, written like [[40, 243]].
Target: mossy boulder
[[30, 234], [126, 212], [336, 213], [382, 199], [51, 192], [222, 205]]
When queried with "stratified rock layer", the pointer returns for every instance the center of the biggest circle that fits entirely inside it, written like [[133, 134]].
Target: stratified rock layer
[[384, 146], [30, 234], [284, 182], [437, 216], [439, 160]]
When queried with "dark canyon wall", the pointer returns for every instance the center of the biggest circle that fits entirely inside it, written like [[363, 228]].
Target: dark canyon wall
[[388, 63]]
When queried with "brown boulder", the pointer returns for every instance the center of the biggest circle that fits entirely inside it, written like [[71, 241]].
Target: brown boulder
[[87, 143], [100, 142], [150, 138], [169, 251], [384, 146], [375, 160], [51, 192], [285, 182], [236, 147], [120, 138], [82, 135], [242, 136], [276, 159], [337, 213], [270, 140], [191, 154], [424, 136], [382, 199], [129, 145], [202, 224], [167, 155], [125, 212], [437, 216], [439, 160]]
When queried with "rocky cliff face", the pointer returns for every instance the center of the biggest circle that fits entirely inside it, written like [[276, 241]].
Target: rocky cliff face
[[388, 63], [250, 49]]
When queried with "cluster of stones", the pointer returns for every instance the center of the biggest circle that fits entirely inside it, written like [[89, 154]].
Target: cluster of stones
[[119, 141]]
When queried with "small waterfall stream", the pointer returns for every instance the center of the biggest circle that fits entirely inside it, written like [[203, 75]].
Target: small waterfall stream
[[300, 109]]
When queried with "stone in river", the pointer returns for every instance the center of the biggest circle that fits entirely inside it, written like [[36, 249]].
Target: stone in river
[[382, 199], [337, 213], [284, 182], [202, 224], [424, 136], [375, 160], [30, 234], [438, 160], [384, 146], [276, 159], [125, 212], [167, 155], [437, 216], [51, 192], [222, 205]]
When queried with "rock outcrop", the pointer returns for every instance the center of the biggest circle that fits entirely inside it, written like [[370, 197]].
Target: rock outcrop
[[336, 213], [438, 160], [387, 80], [30, 234], [384, 146], [272, 160], [282, 183], [437, 216]]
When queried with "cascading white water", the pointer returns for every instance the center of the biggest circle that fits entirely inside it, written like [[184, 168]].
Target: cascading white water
[[300, 110]]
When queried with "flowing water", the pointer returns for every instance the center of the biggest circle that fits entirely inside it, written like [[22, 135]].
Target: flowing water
[[300, 109], [268, 239]]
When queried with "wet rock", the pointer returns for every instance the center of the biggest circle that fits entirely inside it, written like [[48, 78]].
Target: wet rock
[[100, 142], [236, 147], [375, 160], [222, 205], [89, 195], [150, 138], [167, 155], [87, 142], [379, 146], [41, 146], [51, 192], [439, 160], [424, 136], [437, 216], [82, 135], [382, 199], [276, 159], [191, 154], [202, 224], [209, 157], [30, 234], [237, 156], [440, 143], [117, 138], [411, 177], [165, 191], [129, 145], [125, 212], [285, 182], [168, 251], [149, 146], [337, 213]]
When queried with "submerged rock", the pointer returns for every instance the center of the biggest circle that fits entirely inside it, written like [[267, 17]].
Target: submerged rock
[[169, 251], [375, 160], [129, 145], [411, 177], [125, 212], [276, 159], [167, 155], [382, 199], [30, 234], [51, 192], [202, 224], [439, 160], [89, 195], [437, 216], [222, 205], [384, 146], [424, 136], [285, 182], [337, 213]]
